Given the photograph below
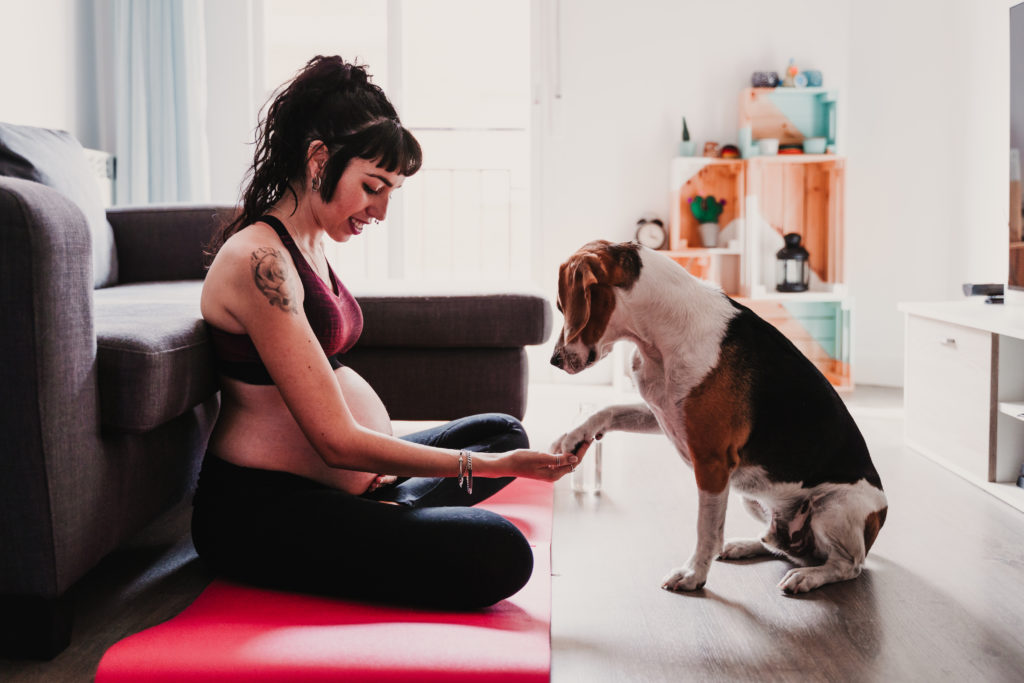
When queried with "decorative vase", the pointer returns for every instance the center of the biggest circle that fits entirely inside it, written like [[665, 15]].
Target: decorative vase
[[709, 234]]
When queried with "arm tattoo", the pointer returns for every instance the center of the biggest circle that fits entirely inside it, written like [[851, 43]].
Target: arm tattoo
[[270, 272]]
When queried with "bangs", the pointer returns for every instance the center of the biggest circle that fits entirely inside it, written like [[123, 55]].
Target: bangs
[[389, 142]]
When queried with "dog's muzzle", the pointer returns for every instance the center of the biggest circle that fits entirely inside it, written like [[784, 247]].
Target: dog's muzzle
[[570, 362]]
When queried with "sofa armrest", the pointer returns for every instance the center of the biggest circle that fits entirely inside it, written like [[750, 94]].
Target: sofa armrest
[[47, 381], [157, 243]]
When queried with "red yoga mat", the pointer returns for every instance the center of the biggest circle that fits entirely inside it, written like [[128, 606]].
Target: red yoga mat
[[238, 633]]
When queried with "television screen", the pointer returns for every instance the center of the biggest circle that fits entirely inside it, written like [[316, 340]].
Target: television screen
[[1016, 278]]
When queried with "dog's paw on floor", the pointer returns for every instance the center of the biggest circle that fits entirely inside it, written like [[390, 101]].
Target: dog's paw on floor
[[805, 579], [684, 578], [742, 549]]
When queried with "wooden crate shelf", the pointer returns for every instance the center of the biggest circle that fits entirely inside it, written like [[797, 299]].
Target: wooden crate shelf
[[818, 326], [789, 115], [805, 196], [721, 265], [702, 176], [766, 198]]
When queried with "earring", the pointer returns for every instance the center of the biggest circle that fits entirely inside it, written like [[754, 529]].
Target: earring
[[316, 183]]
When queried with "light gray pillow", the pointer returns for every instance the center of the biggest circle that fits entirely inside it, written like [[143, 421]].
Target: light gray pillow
[[55, 159]]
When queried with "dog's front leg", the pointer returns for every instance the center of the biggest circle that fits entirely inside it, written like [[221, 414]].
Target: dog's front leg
[[622, 418], [710, 537]]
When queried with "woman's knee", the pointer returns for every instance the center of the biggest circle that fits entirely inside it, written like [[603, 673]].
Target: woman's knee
[[487, 559], [508, 432], [503, 565]]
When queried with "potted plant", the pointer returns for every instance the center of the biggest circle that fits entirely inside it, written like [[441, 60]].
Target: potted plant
[[707, 211]]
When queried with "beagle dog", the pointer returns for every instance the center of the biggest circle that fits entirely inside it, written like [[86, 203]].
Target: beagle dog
[[742, 406]]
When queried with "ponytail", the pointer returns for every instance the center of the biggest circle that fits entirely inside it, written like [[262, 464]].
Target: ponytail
[[332, 101]]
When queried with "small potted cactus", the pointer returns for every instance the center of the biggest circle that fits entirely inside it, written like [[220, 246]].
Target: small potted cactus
[[707, 210]]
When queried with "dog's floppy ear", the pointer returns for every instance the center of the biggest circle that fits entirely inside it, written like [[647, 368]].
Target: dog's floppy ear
[[575, 279]]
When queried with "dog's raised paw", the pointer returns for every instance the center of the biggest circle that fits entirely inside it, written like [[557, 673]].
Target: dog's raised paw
[[684, 579]]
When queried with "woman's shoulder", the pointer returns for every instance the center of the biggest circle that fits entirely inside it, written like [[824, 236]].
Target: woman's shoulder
[[239, 250], [251, 267], [249, 253], [253, 235]]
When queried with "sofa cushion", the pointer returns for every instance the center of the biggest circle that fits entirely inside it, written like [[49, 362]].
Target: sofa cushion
[[154, 356], [457, 315], [54, 158]]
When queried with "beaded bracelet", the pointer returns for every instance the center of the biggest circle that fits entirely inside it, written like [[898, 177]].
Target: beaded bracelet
[[466, 475]]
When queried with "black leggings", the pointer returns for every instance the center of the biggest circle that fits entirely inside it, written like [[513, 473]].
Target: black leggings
[[280, 530]]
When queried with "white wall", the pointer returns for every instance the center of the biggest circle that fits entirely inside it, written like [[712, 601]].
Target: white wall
[[57, 71], [923, 120], [928, 178], [41, 45], [234, 92]]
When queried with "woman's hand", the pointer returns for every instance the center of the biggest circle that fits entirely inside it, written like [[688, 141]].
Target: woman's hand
[[530, 464], [381, 481]]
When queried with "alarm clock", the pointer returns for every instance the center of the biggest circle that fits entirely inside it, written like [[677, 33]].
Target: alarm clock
[[650, 232]]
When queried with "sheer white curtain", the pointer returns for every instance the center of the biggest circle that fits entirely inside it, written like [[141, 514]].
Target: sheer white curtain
[[160, 94]]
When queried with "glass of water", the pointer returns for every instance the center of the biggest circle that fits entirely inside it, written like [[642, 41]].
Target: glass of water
[[586, 478]]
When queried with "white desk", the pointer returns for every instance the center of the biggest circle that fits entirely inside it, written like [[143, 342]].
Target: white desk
[[964, 390]]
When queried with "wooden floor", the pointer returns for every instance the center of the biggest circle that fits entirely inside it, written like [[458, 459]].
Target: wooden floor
[[942, 598]]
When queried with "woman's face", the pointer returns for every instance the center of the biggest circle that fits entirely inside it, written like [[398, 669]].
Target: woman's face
[[362, 194]]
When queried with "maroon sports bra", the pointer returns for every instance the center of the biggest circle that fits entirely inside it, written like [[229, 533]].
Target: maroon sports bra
[[334, 315]]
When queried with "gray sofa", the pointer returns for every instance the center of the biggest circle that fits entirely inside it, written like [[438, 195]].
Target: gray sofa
[[109, 390]]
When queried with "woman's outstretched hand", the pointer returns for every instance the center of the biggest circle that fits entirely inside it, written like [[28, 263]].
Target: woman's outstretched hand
[[536, 464]]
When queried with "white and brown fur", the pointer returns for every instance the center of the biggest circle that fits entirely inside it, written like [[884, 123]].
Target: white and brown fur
[[742, 406]]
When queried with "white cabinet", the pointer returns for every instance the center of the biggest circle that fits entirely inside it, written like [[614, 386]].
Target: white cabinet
[[964, 390], [947, 393]]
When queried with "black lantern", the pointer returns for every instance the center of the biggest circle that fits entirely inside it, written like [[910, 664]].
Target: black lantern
[[792, 271]]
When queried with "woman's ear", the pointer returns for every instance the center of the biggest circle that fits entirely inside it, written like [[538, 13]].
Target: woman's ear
[[316, 157]]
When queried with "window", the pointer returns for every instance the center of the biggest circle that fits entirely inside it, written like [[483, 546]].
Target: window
[[458, 71]]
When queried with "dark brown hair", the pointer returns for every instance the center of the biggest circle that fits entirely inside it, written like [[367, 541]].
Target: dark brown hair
[[328, 100]]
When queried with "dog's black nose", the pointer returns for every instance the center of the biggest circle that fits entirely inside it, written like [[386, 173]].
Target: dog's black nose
[[556, 360]]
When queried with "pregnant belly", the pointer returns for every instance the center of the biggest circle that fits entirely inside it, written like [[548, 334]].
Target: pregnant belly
[[255, 429], [366, 406]]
